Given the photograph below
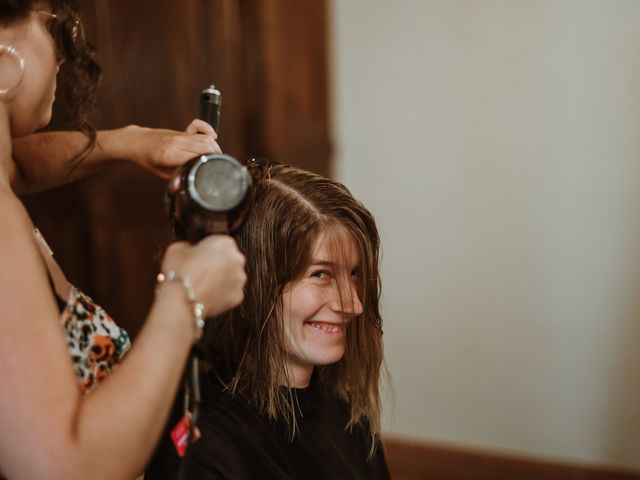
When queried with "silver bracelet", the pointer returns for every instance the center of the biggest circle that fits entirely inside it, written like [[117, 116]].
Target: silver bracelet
[[197, 307]]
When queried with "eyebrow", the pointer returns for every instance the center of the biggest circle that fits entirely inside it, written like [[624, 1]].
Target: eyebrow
[[327, 263]]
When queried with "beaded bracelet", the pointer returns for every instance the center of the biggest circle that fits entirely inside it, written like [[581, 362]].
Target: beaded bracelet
[[185, 281]]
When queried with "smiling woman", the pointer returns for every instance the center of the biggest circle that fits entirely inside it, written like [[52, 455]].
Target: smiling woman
[[292, 387], [318, 307]]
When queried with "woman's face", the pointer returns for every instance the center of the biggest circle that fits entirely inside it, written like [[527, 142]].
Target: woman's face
[[318, 307], [30, 103]]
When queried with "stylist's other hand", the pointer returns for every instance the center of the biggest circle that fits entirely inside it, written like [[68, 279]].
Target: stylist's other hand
[[216, 268], [162, 151]]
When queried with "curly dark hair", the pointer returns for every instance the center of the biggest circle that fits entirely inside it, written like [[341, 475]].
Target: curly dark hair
[[80, 73]]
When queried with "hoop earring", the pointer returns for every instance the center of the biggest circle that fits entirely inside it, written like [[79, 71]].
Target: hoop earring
[[11, 51]]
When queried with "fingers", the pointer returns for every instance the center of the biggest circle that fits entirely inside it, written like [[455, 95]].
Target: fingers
[[194, 146], [201, 131], [230, 273], [199, 144], [162, 151], [181, 149], [202, 127], [217, 270]]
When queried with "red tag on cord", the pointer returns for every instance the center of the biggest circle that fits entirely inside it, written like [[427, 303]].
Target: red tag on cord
[[180, 435]]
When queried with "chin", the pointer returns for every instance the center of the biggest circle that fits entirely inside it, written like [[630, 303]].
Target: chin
[[46, 118], [43, 121], [39, 126], [320, 359]]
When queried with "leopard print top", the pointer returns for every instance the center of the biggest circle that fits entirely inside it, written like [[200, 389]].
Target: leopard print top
[[95, 342]]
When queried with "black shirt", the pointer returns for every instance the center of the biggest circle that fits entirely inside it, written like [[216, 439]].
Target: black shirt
[[238, 443]]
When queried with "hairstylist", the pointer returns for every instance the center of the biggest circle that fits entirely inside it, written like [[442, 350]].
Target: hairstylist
[[66, 411]]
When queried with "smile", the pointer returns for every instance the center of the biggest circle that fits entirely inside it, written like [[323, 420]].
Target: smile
[[329, 328]]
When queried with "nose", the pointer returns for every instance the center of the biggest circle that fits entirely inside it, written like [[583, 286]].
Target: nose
[[346, 300]]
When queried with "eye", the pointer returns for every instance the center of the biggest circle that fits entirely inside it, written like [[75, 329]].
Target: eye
[[321, 274], [355, 273]]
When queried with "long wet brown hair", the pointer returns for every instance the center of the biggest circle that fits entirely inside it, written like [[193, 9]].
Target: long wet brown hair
[[79, 73], [292, 207]]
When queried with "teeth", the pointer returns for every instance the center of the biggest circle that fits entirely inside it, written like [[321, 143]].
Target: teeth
[[327, 328]]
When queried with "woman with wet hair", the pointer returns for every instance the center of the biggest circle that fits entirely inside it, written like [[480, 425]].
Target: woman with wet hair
[[292, 387], [77, 400]]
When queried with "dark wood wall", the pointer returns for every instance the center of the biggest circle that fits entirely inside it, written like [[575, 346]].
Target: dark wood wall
[[268, 57]]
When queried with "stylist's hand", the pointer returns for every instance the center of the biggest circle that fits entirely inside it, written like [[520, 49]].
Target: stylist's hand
[[216, 268], [161, 151]]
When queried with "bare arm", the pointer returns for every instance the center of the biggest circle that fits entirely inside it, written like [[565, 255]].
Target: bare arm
[[48, 429], [46, 160]]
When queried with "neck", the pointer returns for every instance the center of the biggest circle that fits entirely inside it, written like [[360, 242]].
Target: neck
[[299, 376], [6, 161]]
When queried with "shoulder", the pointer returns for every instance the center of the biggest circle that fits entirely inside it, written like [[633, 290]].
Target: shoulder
[[237, 442], [23, 276], [13, 211], [353, 442], [228, 416], [16, 229], [226, 448], [18, 251]]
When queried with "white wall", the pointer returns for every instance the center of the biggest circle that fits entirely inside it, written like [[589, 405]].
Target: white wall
[[498, 144]]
